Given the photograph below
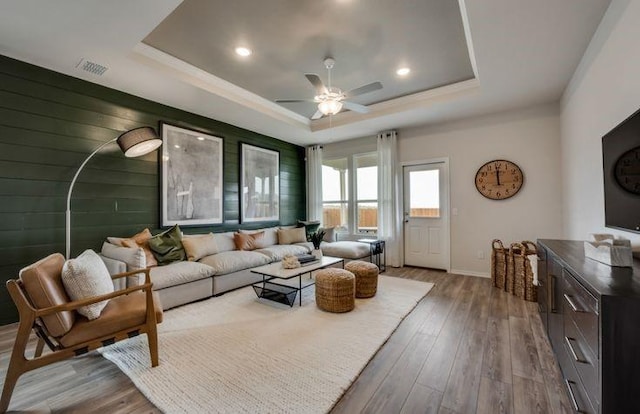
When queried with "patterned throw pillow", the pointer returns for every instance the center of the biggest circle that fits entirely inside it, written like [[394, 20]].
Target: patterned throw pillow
[[247, 241], [84, 277], [167, 246]]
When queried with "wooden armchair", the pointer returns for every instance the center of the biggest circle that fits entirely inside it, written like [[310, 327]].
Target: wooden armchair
[[44, 306]]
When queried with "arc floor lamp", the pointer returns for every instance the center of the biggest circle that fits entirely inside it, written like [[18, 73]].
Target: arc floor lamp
[[133, 143]]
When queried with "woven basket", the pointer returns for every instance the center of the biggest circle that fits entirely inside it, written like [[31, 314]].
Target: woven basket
[[522, 273], [366, 277], [498, 264], [335, 290]]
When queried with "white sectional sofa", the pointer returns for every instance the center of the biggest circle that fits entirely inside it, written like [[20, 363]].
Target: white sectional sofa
[[223, 270]]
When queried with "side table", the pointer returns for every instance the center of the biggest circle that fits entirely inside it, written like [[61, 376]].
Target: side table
[[377, 253]]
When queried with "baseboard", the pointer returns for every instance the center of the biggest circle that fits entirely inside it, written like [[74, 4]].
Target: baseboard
[[470, 273]]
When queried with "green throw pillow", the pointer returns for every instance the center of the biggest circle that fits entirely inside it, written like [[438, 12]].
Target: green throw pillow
[[309, 227], [167, 246]]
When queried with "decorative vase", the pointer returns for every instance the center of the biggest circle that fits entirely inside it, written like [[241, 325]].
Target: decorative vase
[[317, 253]]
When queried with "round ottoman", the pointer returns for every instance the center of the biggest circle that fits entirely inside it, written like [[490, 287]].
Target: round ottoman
[[366, 277], [335, 290]]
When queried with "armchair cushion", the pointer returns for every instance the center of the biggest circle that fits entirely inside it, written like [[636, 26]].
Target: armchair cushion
[[84, 277], [119, 314], [42, 282]]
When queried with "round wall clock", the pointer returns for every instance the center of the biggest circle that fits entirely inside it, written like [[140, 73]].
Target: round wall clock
[[627, 170], [499, 179]]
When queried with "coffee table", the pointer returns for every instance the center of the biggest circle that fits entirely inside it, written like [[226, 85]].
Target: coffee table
[[286, 293]]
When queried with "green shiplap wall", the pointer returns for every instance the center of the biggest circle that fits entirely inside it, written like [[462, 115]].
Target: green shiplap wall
[[49, 123]]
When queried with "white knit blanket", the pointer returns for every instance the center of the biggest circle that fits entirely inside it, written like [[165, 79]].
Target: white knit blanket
[[238, 354]]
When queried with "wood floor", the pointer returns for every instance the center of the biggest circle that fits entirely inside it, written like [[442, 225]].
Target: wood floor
[[466, 348]]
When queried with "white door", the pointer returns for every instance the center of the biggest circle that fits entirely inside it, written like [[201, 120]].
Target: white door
[[426, 215]]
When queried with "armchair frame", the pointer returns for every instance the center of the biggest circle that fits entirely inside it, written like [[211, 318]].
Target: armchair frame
[[30, 319]]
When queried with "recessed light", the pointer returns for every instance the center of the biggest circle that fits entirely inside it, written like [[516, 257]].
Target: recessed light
[[176, 146], [403, 71], [243, 51], [200, 138]]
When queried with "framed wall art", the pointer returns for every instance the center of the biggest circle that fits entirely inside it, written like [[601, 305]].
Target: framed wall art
[[191, 175], [259, 184]]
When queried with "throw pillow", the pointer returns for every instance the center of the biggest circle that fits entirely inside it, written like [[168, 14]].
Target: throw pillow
[[167, 246], [139, 240], [247, 241], [199, 246], [290, 236], [84, 277], [329, 234], [133, 257], [309, 227], [269, 239]]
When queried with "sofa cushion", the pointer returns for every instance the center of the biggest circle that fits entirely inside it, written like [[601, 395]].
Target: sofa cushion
[[85, 277], [137, 240], [279, 251], [199, 246], [167, 246], [122, 312], [330, 234], [346, 249], [224, 241], [247, 241], [290, 236], [177, 273], [269, 239], [133, 257], [229, 262], [43, 283]]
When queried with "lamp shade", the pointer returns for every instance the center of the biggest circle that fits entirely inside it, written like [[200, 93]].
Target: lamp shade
[[139, 141], [330, 106]]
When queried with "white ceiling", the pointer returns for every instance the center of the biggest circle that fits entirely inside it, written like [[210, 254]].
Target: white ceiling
[[522, 53]]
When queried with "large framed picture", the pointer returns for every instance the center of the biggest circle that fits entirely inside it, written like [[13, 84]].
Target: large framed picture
[[260, 184], [191, 175]]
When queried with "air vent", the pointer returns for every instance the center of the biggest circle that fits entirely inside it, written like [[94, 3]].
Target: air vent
[[91, 67]]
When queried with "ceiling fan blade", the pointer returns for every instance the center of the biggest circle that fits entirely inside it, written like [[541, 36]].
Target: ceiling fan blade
[[374, 86], [293, 100], [317, 115], [352, 106], [317, 83]]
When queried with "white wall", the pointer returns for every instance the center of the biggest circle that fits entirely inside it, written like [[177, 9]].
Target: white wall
[[531, 139], [604, 91]]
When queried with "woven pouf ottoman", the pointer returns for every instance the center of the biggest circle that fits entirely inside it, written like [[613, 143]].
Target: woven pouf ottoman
[[366, 277], [335, 290]]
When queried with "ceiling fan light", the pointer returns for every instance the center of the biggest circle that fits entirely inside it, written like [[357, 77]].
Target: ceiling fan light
[[330, 107]]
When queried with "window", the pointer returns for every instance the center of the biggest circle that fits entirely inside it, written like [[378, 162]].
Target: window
[[424, 193], [335, 190], [367, 193], [350, 201]]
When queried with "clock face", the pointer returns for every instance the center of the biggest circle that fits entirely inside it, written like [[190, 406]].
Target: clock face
[[627, 170], [499, 179]]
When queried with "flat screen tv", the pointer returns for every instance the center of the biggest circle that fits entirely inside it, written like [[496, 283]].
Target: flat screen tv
[[621, 161]]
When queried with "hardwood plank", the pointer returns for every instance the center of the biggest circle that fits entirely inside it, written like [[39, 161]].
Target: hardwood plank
[[494, 397], [392, 393], [423, 400], [479, 313], [529, 396], [461, 393], [525, 361], [516, 306], [496, 363], [499, 307]]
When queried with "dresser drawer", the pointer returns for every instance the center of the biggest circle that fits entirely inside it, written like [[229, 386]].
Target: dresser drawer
[[582, 307], [578, 396], [584, 361]]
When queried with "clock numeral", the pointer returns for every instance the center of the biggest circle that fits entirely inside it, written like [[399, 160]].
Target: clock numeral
[[513, 186], [506, 191], [480, 180], [498, 194], [484, 187]]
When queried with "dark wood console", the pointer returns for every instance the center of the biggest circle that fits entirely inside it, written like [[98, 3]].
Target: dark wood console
[[592, 315]]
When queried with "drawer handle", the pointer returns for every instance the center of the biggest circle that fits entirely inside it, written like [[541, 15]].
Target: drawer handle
[[572, 396], [571, 303], [573, 351]]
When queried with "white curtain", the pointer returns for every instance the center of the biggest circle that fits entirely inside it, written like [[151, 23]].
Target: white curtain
[[314, 183], [389, 224]]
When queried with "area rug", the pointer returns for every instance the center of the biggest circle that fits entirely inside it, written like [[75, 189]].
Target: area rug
[[239, 354]]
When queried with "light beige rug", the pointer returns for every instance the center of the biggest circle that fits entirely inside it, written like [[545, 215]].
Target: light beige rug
[[238, 354]]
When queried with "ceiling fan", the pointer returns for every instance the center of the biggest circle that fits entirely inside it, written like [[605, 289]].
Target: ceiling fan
[[331, 99]]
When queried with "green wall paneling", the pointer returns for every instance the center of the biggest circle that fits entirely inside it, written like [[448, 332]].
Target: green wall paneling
[[50, 122]]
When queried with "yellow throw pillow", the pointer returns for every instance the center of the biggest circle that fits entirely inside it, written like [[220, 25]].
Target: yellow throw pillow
[[199, 246], [290, 236]]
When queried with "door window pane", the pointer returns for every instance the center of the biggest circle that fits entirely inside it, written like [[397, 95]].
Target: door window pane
[[424, 193]]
